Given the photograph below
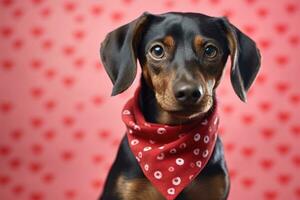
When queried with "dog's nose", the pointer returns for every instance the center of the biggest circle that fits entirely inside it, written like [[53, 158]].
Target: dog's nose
[[188, 94]]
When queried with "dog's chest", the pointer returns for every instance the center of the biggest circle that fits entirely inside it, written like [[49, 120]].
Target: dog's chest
[[212, 187]]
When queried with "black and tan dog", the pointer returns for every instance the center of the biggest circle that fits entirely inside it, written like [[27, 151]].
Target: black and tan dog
[[182, 56]]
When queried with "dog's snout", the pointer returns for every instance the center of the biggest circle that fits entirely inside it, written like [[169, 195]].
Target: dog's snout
[[188, 93]]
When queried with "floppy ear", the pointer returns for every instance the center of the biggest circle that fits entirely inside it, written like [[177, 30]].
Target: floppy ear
[[245, 59], [118, 53]]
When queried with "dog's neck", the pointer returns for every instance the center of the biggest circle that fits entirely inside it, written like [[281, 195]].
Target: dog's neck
[[153, 112]]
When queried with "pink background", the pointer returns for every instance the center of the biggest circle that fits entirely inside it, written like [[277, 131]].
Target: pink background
[[60, 129]]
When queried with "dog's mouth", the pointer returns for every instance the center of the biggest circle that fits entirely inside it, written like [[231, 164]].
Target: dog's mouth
[[188, 111], [184, 114]]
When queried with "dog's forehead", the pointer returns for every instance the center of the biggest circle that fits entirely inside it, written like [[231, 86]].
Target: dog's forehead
[[182, 26]]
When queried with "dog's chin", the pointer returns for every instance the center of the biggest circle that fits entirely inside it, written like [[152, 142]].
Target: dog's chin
[[187, 115], [190, 113]]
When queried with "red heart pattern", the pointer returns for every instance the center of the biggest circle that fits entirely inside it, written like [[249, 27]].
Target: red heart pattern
[[60, 129]]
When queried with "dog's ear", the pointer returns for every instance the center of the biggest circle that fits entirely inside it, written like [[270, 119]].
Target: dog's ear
[[118, 53], [245, 59]]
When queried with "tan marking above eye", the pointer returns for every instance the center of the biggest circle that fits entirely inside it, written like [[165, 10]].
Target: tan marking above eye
[[169, 41], [198, 41]]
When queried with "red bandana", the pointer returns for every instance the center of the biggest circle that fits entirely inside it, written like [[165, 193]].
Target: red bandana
[[170, 156]]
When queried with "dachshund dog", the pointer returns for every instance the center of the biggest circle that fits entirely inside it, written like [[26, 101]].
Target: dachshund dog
[[182, 57]]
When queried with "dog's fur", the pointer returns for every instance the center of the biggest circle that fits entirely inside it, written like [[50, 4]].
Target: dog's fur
[[168, 94]]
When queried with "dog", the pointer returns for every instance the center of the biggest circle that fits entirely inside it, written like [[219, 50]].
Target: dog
[[182, 57]]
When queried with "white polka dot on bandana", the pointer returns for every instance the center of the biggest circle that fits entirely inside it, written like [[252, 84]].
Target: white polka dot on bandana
[[160, 156], [140, 154], [173, 151], [134, 142], [146, 167], [205, 153], [126, 112], [206, 139], [137, 127], [192, 165], [197, 137], [196, 151], [131, 123], [146, 124], [151, 142], [137, 158], [216, 121], [171, 191], [191, 177], [171, 169], [147, 148], [161, 147], [204, 122], [157, 174], [179, 161], [182, 146], [161, 131], [199, 163], [176, 180], [130, 131]]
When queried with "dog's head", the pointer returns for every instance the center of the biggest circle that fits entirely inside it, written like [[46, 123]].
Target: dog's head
[[182, 56]]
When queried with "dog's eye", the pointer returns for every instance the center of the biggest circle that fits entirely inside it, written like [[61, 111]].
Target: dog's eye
[[157, 51], [210, 51]]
